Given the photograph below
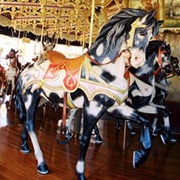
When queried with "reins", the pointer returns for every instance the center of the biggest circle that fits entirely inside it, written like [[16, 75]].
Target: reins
[[159, 61], [98, 63]]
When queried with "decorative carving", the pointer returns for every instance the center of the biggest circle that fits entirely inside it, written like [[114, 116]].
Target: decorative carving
[[70, 19]]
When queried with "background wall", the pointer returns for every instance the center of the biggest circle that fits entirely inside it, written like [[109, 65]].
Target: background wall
[[174, 83]]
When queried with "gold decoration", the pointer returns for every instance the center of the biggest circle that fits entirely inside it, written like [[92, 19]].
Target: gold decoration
[[70, 19]]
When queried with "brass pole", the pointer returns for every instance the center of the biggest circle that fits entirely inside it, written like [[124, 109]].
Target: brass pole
[[91, 24]]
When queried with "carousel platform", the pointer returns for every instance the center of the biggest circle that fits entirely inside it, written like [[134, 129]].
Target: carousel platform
[[106, 161]]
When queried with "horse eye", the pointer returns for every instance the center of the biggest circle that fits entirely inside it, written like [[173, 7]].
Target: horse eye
[[143, 33]]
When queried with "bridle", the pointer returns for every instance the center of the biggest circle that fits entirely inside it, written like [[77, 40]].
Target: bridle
[[159, 61]]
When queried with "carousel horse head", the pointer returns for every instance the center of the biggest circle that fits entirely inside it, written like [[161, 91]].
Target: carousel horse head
[[168, 64], [12, 54], [129, 29], [173, 69], [49, 43]]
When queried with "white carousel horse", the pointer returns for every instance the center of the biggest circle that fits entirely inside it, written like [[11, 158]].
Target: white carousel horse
[[94, 82]]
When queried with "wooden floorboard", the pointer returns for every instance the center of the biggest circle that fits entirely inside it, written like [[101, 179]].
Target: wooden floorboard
[[107, 161]]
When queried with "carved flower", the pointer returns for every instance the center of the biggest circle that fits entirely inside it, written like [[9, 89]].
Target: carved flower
[[137, 58]]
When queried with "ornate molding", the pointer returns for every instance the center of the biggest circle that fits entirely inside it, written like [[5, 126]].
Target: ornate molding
[[170, 29]]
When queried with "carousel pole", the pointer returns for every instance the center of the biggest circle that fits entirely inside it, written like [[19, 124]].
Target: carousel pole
[[18, 39], [42, 34], [91, 24], [43, 13]]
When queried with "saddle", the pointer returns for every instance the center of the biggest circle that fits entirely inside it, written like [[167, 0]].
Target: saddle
[[71, 66], [72, 63]]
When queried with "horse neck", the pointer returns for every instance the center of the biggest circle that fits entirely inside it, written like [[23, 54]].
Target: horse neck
[[99, 53], [161, 78], [145, 73], [112, 73], [13, 61]]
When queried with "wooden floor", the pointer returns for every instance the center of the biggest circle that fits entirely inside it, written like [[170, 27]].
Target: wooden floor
[[107, 161]]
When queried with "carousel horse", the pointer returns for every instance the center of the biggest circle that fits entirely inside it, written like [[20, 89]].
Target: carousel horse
[[12, 72], [161, 86], [3, 81], [170, 69], [142, 90], [94, 82]]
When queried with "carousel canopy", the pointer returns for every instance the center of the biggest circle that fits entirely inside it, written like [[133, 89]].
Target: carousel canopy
[[73, 20]]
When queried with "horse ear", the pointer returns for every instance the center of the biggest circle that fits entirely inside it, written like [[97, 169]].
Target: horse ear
[[169, 47], [148, 16], [160, 22], [53, 37]]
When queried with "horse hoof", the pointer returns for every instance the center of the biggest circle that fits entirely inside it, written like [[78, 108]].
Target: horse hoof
[[68, 135], [157, 130], [25, 149], [165, 138], [118, 127], [98, 139], [173, 140], [43, 169], [139, 157], [133, 132], [81, 176]]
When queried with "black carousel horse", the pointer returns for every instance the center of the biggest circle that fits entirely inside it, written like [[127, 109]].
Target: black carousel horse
[[94, 82]]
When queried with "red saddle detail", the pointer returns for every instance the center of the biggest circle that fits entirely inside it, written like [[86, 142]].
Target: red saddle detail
[[72, 68]]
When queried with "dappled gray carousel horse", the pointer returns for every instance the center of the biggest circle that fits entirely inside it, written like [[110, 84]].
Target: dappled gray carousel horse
[[161, 88], [94, 82], [143, 81], [152, 76]]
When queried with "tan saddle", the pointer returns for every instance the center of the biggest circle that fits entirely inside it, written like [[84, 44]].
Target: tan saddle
[[72, 66], [72, 63]]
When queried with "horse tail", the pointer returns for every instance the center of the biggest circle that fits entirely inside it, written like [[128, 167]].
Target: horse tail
[[19, 103]]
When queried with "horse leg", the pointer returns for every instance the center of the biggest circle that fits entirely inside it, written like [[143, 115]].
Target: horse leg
[[166, 135], [156, 128], [90, 121], [128, 113], [71, 117], [118, 125], [98, 138], [84, 144], [29, 125], [24, 136], [139, 157], [12, 91], [131, 128]]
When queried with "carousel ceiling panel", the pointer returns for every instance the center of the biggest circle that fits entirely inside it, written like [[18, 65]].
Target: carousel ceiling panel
[[70, 19]]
